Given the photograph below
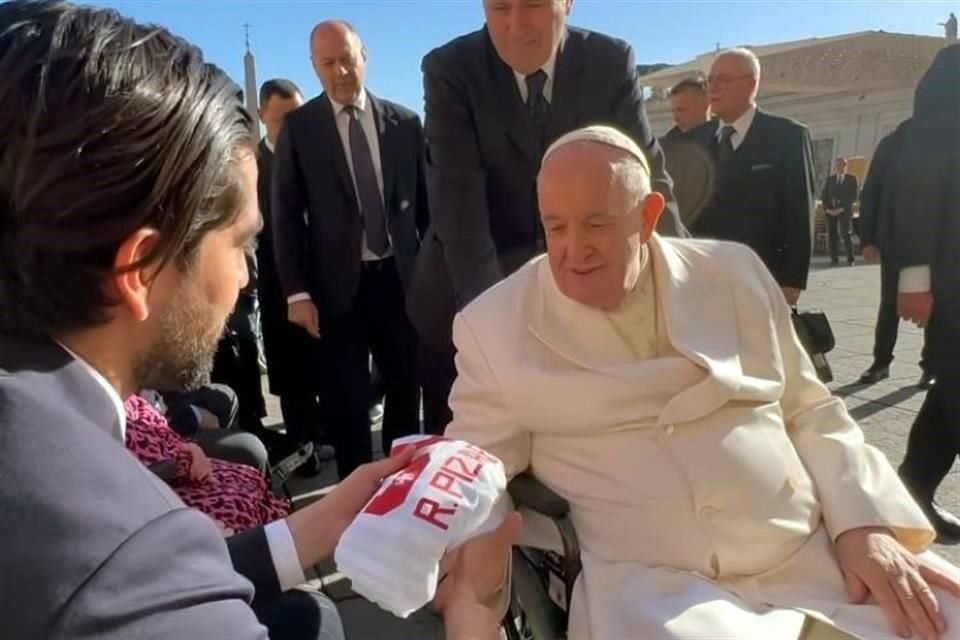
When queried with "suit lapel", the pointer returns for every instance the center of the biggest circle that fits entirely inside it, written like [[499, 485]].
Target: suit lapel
[[690, 302], [386, 128], [520, 127], [331, 141], [565, 100]]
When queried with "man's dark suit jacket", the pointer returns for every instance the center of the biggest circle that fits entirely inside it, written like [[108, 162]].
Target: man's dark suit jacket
[[879, 195], [764, 196], [93, 544], [484, 156], [840, 196], [927, 208], [319, 253], [291, 353]]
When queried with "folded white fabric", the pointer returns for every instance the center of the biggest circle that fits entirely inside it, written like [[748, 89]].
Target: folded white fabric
[[450, 492]]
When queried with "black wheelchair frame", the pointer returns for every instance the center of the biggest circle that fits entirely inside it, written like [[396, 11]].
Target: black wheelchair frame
[[533, 613]]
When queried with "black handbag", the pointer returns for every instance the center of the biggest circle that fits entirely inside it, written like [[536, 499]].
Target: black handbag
[[816, 336]]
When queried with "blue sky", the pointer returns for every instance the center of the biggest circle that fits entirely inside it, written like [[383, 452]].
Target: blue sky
[[399, 32]]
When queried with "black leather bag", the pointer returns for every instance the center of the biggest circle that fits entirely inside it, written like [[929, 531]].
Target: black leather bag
[[816, 336]]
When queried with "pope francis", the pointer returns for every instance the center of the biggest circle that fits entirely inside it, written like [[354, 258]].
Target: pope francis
[[718, 489]]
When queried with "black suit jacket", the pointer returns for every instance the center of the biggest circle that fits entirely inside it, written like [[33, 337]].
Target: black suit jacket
[[99, 547], [316, 222], [879, 195], [764, 196], [484, 155], [842, 195]]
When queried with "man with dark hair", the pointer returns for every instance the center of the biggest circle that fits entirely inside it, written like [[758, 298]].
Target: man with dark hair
[[690, 106], [127, 201], [495, 99], [292, 355], [348, 206], [840, 191]]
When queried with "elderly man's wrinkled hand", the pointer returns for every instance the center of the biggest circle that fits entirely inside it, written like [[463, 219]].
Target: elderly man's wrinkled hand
[[874, 563]]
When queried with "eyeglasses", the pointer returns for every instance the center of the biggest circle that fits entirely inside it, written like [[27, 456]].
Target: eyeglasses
[[724, 80]]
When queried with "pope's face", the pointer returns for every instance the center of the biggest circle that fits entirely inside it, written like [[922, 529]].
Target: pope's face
[[593, 251]]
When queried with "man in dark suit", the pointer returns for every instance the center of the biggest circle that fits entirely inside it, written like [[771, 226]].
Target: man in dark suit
[[689, 105], [839, 193], [495, 99], [764, 189], [926, 246], [877, 200], [128, 201], [349, 198], [292, 355]]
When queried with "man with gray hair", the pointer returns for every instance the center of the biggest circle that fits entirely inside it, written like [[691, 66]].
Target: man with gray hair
[[764, 191], [717, 487]]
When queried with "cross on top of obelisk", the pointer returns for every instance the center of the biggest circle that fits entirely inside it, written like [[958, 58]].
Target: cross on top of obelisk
[[246, 31]]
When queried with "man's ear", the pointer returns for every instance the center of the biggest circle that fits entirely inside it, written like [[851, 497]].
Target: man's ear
[[653, 206], [569, 4], [132, 286]]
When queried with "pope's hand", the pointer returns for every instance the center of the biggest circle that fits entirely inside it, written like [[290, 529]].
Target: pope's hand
[[874, 563]]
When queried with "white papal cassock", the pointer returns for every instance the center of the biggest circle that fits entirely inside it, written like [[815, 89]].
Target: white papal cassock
[[707, 469]]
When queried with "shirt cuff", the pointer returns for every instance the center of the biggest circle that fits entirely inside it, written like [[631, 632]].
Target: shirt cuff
[[283, 551], [298, 297], [915, 279]]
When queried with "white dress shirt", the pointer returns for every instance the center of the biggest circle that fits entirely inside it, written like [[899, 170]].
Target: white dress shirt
[[741, 126], [283, 552], [548, 67], [367, 121]]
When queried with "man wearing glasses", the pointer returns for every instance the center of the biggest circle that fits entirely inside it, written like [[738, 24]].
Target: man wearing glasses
[[764, 191]]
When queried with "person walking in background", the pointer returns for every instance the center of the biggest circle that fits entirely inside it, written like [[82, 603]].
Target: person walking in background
[[348, 206], [495, 99], [839, 193], [927, 250], [763, 196], [876, 237]]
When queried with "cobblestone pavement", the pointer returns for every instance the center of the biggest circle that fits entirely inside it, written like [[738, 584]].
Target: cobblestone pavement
[[885, 411]]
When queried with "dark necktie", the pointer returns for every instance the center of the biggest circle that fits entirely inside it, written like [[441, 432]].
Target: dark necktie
[[537, 103], [725, 145], [368, 191]]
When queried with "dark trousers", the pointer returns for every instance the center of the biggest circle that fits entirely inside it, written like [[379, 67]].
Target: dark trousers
[[839, 225], [934, 440], [299, 615], [888, 320], [237, 363], [437, 373], [377, 325]]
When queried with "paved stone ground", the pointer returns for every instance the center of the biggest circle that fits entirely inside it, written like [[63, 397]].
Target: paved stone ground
[[886, 410]]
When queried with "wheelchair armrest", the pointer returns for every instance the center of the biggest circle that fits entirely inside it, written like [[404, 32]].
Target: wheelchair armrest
[[530, 493]]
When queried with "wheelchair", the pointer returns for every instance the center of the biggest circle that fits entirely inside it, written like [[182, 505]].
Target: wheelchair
[[542, 580]]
